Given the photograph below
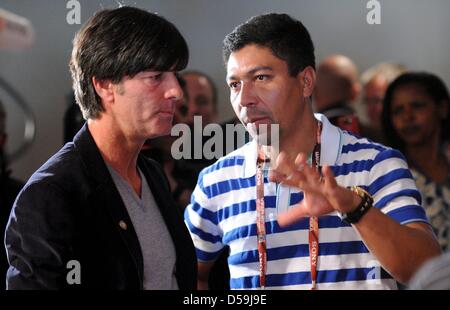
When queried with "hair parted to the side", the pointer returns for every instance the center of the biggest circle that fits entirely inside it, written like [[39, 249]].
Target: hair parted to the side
[[122, 42], [287, 37]]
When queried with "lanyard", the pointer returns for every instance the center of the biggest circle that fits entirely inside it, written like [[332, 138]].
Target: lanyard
[[261, 222], [313, 235], [260, 219]]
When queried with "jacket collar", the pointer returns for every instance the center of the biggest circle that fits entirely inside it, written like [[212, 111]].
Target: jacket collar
[[90, 156]]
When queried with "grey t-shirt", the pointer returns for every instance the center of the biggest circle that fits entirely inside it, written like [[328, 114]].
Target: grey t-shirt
[[157, 247], [434, 274]]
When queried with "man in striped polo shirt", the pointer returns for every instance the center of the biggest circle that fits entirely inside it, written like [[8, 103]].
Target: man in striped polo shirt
[[353, 219]]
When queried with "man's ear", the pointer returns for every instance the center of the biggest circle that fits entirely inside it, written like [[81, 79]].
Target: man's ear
[[104, 89], [308, 80]]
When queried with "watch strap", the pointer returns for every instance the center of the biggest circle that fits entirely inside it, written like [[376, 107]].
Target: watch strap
[[354, 216]]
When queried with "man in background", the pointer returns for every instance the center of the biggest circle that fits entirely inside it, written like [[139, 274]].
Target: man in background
[[337, 88], [375, 82]]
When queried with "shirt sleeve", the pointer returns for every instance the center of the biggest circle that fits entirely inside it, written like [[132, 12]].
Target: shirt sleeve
[[38, 238], [393, 188], [201, 219]]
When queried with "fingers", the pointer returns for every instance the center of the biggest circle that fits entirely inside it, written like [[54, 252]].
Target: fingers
[[329, 179], [294, 214], [298, 173], [311, 174], [284, 165], [282, 173], [301, 159], [295, 179]]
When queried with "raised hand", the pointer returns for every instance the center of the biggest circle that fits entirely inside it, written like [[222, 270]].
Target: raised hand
[[322, 195]]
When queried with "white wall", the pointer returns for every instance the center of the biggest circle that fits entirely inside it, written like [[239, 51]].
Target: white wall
[[413, 32]]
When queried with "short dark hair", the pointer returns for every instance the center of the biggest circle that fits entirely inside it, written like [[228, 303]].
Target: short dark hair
[[288, 39], [432, 85], [118, 43]]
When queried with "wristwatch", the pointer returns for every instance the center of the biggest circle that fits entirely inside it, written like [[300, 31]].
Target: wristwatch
[[354, 216]]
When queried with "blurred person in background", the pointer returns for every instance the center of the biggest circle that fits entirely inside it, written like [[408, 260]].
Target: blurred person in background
[[416, 121], [375, 81], [202, 99], [337, 88]]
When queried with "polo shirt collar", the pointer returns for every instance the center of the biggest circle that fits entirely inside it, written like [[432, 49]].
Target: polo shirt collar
[[331, 145]]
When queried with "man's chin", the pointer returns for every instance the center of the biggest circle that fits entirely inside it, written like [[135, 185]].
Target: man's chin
[[155, 135]]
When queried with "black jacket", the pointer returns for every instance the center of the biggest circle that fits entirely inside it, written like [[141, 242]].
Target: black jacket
[[70, 209], [9, 188]]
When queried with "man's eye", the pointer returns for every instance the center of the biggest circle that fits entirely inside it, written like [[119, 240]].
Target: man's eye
[[153, 77], [262, 77], [234, 85], [156, 77]]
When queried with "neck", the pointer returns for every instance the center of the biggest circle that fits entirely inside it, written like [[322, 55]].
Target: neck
[[301, 139], [428, 158], [116, 149]]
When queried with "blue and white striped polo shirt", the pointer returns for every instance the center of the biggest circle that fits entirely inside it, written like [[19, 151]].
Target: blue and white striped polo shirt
[[223, 212]]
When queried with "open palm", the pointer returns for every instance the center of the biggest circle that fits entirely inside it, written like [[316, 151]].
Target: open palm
[[322, 195]]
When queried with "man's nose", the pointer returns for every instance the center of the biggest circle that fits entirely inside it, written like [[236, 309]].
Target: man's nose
[[174, 90], [247, 95]]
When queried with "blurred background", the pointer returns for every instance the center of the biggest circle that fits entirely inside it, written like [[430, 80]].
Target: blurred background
[[414, 33]]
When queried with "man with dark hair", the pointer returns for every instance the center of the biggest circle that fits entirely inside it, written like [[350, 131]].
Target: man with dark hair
[[97, 214], [357, 211]]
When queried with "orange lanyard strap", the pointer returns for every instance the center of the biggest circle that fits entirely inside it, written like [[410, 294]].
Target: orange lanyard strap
[[260, 222], [313, 248], [313, 237], [260, 219]]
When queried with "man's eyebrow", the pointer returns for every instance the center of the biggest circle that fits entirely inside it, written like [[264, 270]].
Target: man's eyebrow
[[251, 72], [260, 68]]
